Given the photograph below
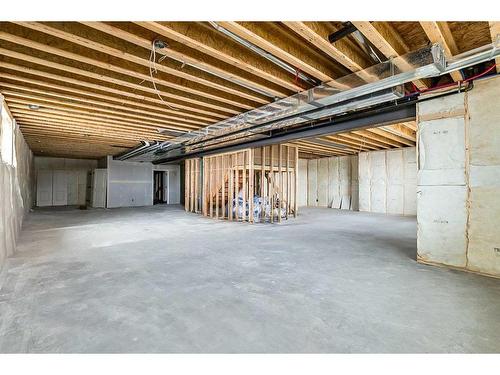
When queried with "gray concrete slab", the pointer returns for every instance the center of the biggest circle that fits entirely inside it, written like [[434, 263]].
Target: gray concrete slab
[[157, 279]]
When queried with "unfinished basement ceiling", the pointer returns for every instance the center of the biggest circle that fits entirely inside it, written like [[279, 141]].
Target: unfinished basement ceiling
[[92, 80]]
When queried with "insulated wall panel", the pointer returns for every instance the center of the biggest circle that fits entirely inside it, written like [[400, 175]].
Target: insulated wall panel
[[387, 181], [459, 180], [364, 178], [441, 218], [323, 182], [333, 183], [312, 182], [302, 188]]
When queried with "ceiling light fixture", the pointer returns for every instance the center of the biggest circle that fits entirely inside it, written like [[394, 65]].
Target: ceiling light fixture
[[34, 107]]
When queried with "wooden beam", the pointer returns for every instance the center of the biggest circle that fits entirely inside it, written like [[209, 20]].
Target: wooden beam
[[495, 35], [401, 131], [37, 98], [150, 110], [196, 63], [377, 137], [207, 46], [107, 114], [117, 69], [439, 32], [388, 42], [204, 91], [249, 33], [317, 36], [94, 86], [391, 136]]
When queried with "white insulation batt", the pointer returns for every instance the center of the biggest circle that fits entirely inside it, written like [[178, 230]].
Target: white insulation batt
[[302, 182], [387, 181], [331, 182], [459, 180], [16, 195]]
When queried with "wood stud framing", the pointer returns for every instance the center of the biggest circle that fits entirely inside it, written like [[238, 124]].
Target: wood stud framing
[[227, 186]]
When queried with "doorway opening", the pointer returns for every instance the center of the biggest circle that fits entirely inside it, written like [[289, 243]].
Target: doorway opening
[[160, 183]]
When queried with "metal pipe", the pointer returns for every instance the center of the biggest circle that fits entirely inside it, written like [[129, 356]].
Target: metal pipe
[[289, 68]]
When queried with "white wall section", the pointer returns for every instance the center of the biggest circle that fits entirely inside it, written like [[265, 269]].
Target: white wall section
[[131, 183]]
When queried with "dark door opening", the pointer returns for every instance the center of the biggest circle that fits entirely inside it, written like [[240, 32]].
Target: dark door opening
[[159, 188]]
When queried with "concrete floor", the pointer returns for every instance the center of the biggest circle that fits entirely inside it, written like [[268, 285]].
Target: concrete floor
[[159, 280]]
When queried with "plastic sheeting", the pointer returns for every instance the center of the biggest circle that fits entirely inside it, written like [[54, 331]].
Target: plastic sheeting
[[16, 195], [387, 181]]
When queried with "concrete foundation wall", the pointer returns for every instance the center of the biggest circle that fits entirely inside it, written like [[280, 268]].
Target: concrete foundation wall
[[459, 180], [329, 182], [16, 194], [387, 181]]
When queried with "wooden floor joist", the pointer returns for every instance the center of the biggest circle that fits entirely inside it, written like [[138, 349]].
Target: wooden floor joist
[[92, 81]]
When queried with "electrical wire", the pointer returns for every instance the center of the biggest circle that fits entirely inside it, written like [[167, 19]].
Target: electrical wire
[[458, 84], [152, 67]]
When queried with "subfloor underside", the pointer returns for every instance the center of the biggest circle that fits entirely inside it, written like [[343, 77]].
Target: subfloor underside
[[159, 280]]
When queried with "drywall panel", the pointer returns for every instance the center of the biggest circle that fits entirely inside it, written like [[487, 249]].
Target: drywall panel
[[323, 182], [312, 182], [441, 220], [72, 178], [44, 188], [129, 184], [59, 187], [442, 152], [99, 187], [44, 162], [302, 188]]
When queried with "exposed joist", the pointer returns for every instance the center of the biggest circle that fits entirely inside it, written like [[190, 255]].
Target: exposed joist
[[388, 42], [206, 45], [205, 91], [169, 96], [152, 110], [94, 86], [198, 64], [495, 38], [315, 34], [401, 131], [249, 32], [439, 32], [39, 97], [392, 137]]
